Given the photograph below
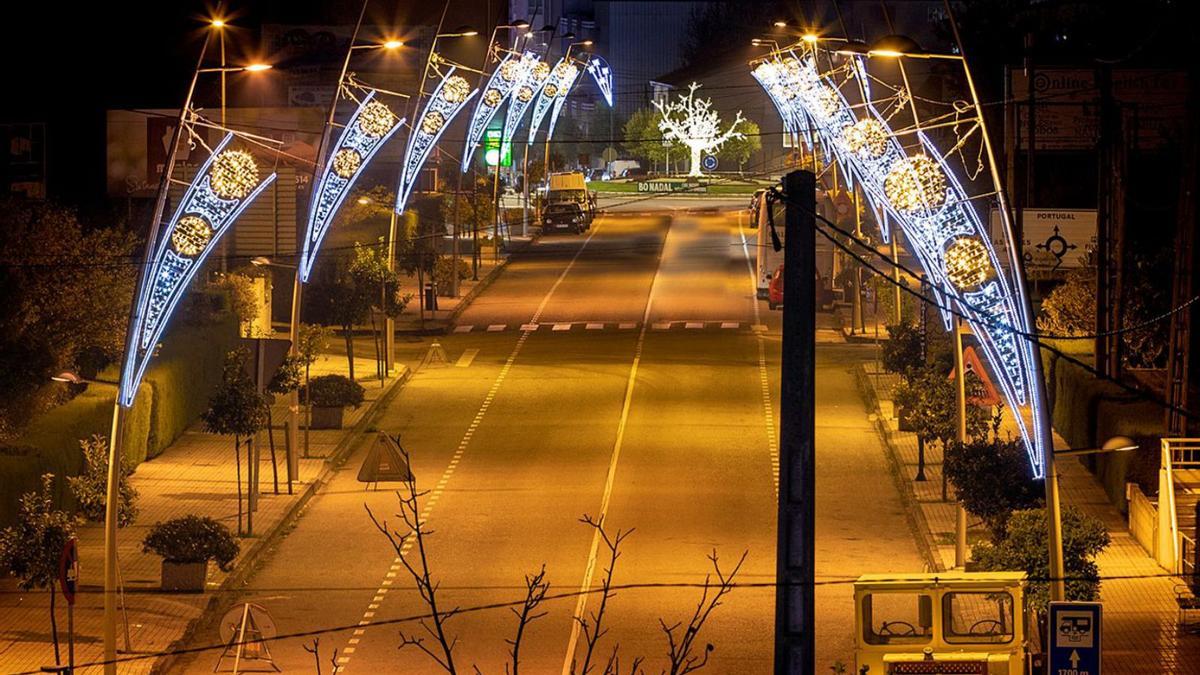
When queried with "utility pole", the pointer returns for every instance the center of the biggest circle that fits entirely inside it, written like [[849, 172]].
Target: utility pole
[[960, 406], [1110, 232], [1178, 352], [795, 563]]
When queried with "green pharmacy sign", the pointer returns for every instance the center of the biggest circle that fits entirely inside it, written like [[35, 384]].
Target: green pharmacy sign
[[491, 148]]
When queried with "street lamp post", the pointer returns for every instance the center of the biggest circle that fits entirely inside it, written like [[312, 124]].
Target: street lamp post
[[566, 59], [116, 435]]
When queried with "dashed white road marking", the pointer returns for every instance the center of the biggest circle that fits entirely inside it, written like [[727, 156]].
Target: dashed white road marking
[[662, 325], [594, 326], [529, 327], [389, 577], [496, 327], [562, 326], [730, 324], [626, 326], [694, 324], [466, 358], [763, 380], [463, 329]]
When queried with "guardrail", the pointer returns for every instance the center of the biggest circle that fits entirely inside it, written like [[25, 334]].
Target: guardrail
[[1176, 550]]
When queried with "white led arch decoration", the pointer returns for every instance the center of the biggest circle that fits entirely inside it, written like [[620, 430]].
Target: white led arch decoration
[[919, 191], [371, 125], [449, 98], [524, 95], [602, 73], [509, 73], [223, 187]]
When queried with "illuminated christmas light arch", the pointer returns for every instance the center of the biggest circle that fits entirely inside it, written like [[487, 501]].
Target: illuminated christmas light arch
[[223, 187], [509, 74], [371, 125], [921, 192], [524, 96], [449, 98]]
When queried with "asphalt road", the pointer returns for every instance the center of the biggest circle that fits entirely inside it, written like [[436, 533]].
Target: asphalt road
[[627, 374]]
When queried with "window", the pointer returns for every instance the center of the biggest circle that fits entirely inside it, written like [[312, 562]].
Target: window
[[897, 618], [978, 617]]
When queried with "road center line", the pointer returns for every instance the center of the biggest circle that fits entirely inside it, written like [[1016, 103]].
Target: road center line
[[610, 478], [764, 381], [373, 607]]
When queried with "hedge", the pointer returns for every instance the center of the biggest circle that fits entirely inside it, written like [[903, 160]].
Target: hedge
[[172, 395]]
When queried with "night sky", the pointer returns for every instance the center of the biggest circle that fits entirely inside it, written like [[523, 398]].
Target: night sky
[[67, 63]]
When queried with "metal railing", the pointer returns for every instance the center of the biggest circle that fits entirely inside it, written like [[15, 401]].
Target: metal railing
[[1178, 454]]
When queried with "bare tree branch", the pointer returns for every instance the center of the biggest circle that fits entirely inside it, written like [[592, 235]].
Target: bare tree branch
[[681, 647], [536, 587], [593, 629], [422, 578]]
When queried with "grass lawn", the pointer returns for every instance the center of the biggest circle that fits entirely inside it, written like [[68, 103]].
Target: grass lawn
[[715, 187]]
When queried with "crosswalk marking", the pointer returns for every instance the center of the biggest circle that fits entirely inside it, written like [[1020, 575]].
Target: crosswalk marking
[[627, 326], [562, 326], [496, 327], [463, 329], [662, 325], [694, 324], [467, 357], [529, 326], [595, 326], [730, 324]]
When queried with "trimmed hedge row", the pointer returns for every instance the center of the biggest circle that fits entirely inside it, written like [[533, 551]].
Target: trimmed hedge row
[[173, 394], [1087, 411]]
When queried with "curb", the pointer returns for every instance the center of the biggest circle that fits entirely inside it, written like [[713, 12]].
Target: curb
[[241, 573], [913, 513]]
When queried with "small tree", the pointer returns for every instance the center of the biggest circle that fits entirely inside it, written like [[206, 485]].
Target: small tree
[[243, 300], [642, 137], [91, 486], [694, 123], [1070, 309], [930, 405], [30, 549], [1024, 548], [739, 149], [993, 480], [901, 353], [340, 298], [236, 409]]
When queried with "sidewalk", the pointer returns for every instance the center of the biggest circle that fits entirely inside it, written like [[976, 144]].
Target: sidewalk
[[1140, 635], [195, 475]]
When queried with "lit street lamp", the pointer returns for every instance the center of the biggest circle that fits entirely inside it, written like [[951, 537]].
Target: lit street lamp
[[116, 436]]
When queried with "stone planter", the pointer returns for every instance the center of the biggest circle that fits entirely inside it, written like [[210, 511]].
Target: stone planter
[[326, 417], [184, 577]]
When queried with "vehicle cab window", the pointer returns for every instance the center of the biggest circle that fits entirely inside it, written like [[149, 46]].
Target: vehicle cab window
[[978, 617], [897, 618]]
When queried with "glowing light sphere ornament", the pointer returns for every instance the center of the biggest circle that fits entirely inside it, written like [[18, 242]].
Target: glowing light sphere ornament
[[346, 162], [868, 136], [432, 122], [456, 89], [234, 174], [525, 94], [968, 264], [510, 74], [191, 235], [375, 119], [915, 184], [492, 97]]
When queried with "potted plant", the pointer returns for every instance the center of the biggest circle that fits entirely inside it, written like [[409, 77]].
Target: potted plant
[[186, 545], [329, 395]]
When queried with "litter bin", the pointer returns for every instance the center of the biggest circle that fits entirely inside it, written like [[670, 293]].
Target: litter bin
[[431, 303]]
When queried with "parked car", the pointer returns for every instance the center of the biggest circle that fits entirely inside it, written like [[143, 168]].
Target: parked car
[[775, 291], [635, 172], [564, 215]]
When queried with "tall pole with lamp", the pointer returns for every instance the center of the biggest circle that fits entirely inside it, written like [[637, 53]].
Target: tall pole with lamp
[[116, 438]]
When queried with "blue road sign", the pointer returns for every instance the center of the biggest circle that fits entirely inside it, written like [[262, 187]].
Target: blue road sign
[[1074, 638], [709, 162]]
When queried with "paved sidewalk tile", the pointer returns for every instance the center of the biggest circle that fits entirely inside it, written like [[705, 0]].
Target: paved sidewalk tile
[[1138, 595], [195, 475]]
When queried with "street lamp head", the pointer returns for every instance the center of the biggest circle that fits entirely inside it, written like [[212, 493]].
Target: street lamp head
[[895, 46], [781, 24], [568, 36], [218, 23], [465, 31], [393, 44], [68, 376], [260, 261], [363, 201], [257, 67], [1119, 444], [854, 48], [520, 23], [810, 38]]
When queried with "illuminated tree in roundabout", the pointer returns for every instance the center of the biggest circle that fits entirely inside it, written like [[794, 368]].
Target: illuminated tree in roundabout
[[692, 122]]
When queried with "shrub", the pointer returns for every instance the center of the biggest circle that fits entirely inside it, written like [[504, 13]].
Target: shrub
[[902, 351], [1070, 309], [993, 479], [1025, 549], [192, 539], [333, 391], [442, 273], [91, 486]]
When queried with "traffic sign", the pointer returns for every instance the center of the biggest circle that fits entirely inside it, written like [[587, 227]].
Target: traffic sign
[[68, 570], [1075, 638], [709, 162]]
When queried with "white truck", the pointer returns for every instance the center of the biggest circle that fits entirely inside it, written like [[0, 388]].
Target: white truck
[[571, 187]]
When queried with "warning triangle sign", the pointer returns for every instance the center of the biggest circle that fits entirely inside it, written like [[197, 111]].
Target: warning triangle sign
[[972, 364], [385, 462]]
